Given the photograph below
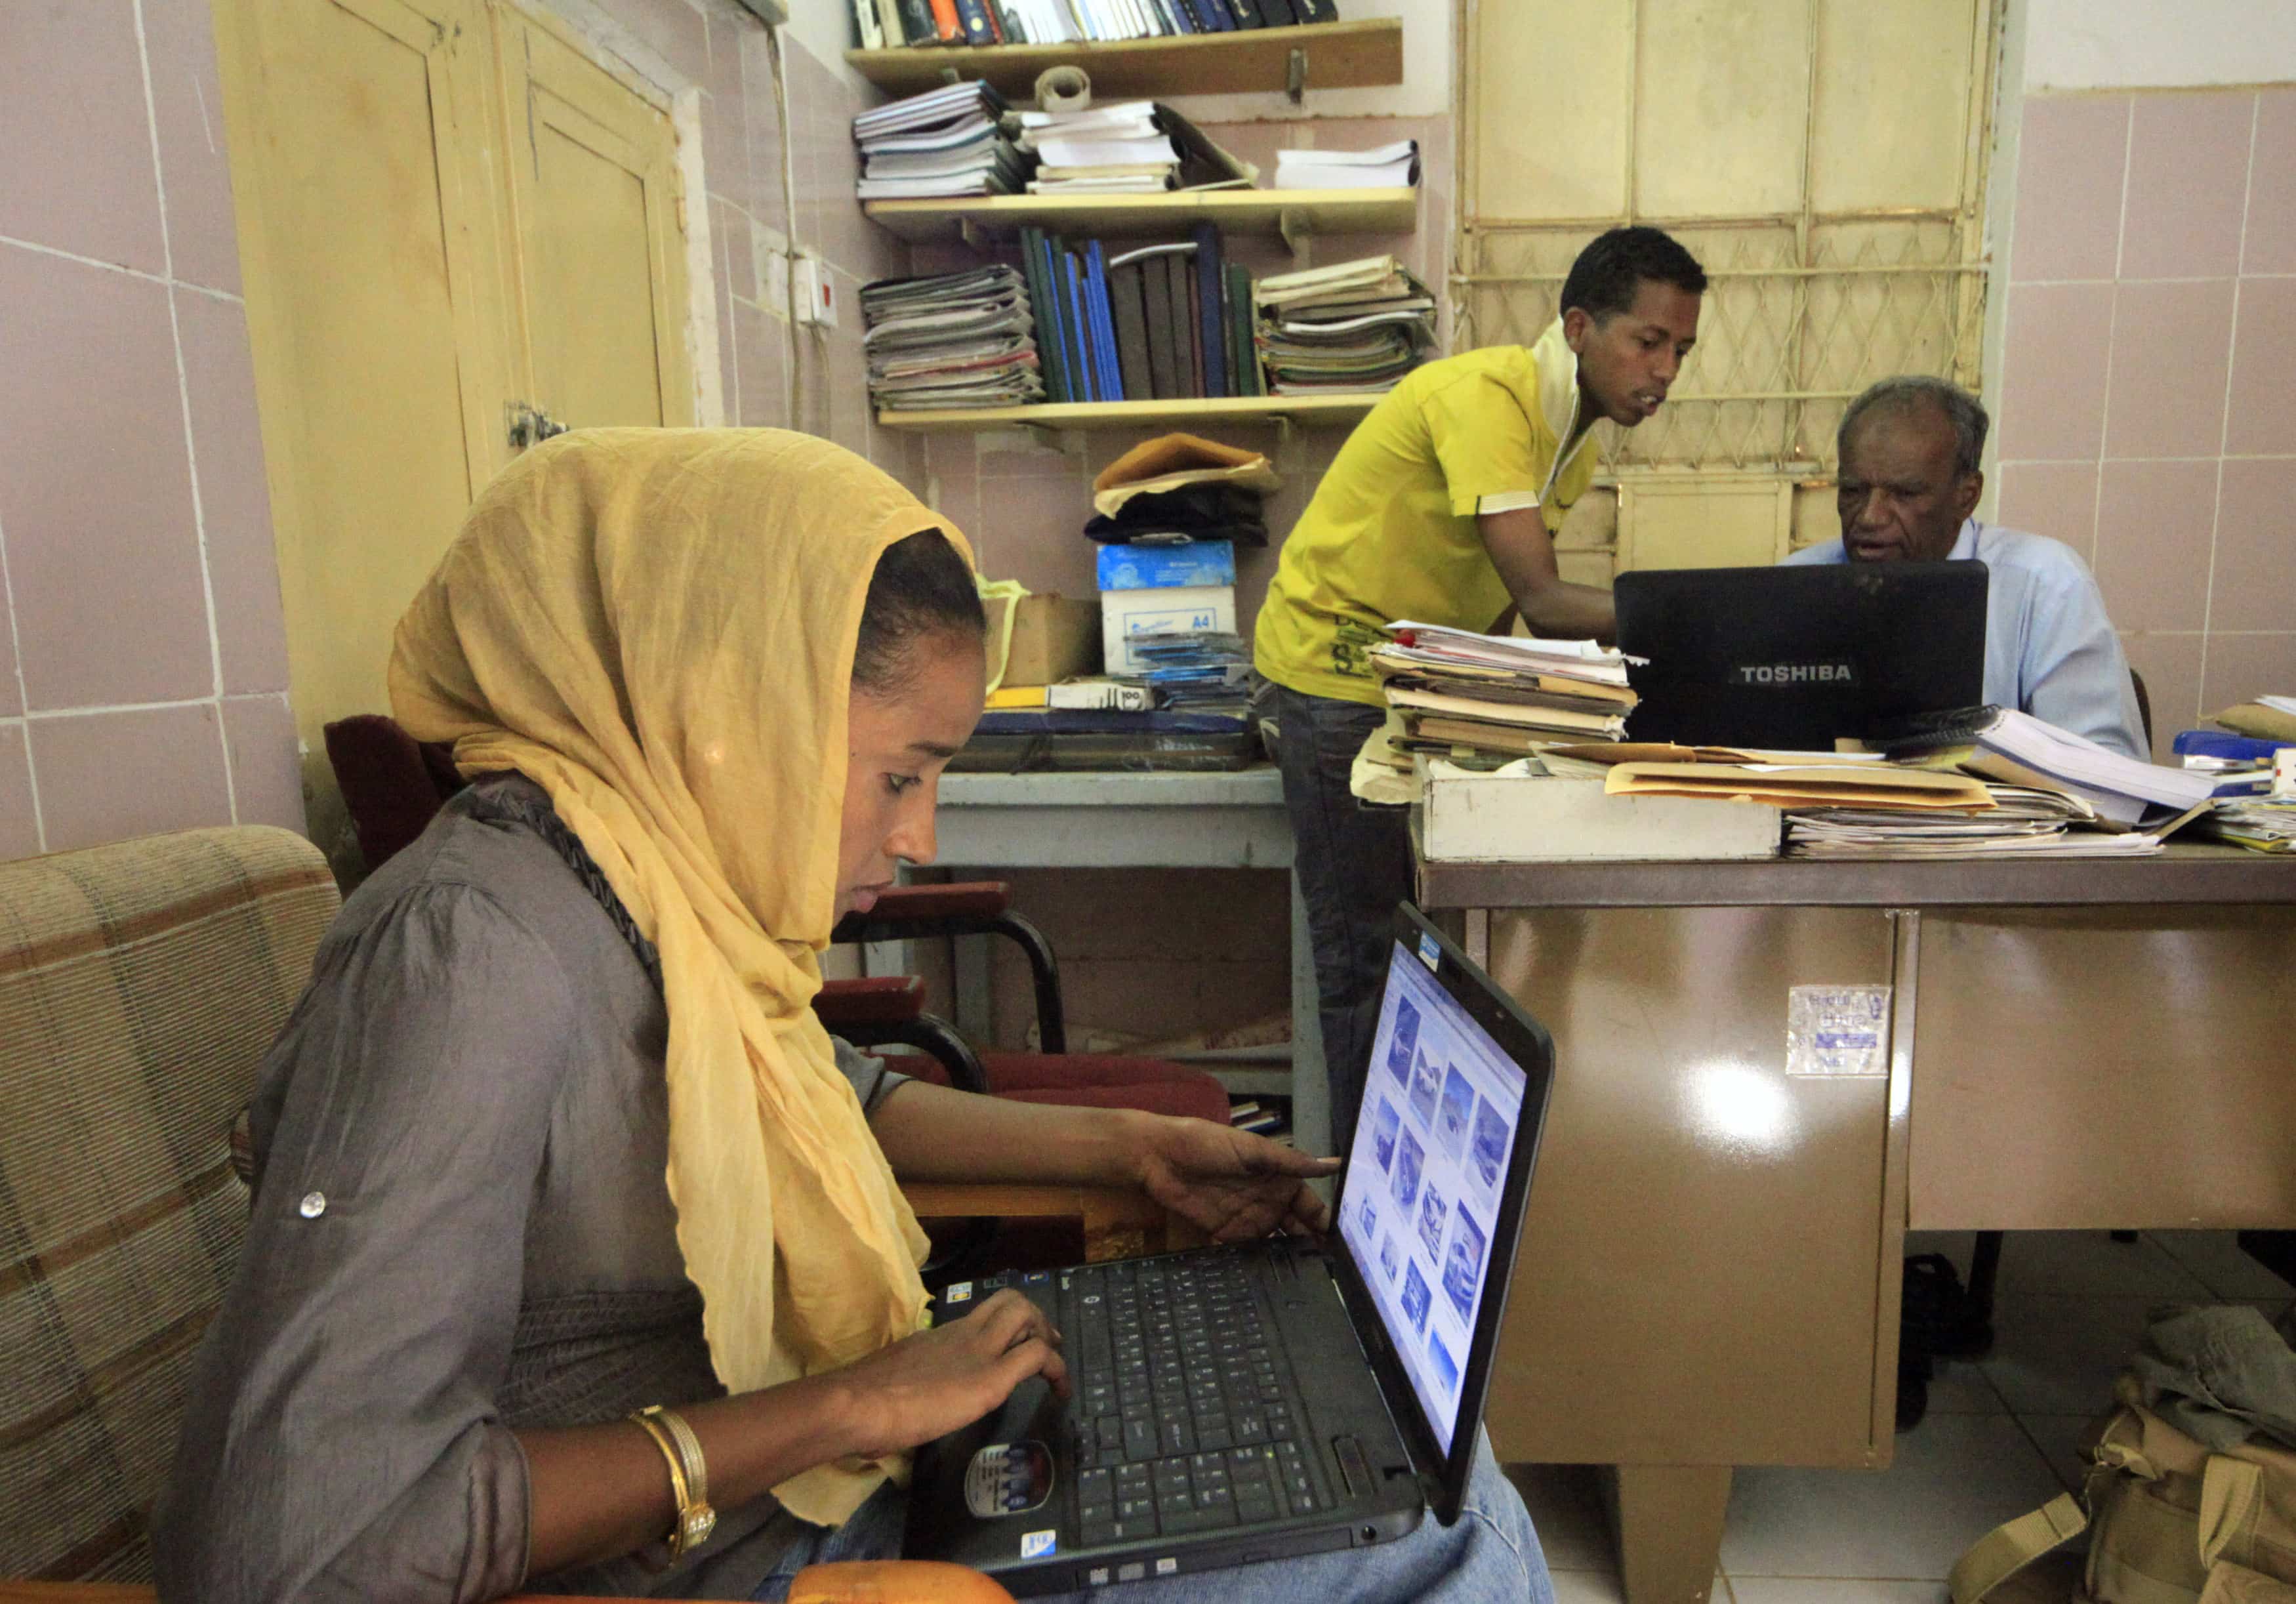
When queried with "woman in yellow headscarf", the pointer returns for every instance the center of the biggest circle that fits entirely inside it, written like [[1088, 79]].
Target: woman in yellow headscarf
[[578, 1260]]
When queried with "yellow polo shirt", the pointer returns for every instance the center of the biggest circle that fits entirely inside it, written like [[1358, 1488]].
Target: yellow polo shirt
[[1391, 533]]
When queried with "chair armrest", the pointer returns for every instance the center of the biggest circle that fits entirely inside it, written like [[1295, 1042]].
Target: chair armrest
[[1118, 1222], [878, 1000], [905, 904]]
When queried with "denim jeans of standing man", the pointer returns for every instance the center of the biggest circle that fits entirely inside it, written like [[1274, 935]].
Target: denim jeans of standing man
[[1354, 864]]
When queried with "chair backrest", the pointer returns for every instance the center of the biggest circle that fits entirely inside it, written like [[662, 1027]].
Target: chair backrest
[[140, 985]]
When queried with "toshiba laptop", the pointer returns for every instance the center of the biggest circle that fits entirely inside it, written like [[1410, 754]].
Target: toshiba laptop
[[1794, 658], [1273, 1398]]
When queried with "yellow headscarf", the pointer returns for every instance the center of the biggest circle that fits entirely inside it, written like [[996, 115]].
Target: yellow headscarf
[[657, 626]]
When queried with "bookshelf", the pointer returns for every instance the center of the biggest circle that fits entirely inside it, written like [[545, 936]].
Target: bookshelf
[[1292, 214], [1332, 55], [1304, 410]]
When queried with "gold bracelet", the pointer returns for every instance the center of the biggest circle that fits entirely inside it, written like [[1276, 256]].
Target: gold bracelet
[[681, 1450]]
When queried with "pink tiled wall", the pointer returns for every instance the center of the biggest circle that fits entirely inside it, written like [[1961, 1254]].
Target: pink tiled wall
[[143, 660], [2151, 328]]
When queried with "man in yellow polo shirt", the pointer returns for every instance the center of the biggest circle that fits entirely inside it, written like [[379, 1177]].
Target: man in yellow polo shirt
[[1442, 508]]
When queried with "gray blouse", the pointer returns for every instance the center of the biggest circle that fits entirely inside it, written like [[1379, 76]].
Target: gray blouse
[[459, 1227]]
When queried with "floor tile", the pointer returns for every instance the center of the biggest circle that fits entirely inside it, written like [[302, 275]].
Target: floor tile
[[1566, 1511], [1956, 1477], [2060, 1437], [1588, 1587], [1960, 1388], [2058, 1355], [2216, 1257], [1832, 1589], [2089, 1264]]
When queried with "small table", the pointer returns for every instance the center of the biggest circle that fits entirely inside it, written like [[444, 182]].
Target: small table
[[1139, 821]]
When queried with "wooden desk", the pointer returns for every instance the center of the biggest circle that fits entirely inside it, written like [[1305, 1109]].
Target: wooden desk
[[1709, 1274], [1122, 821]]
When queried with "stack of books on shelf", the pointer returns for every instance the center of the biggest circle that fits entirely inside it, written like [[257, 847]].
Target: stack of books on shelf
[[1389, 167], [945, 142], [884, 24], [1491, 699], [1155, 323], [1353, 328], [954, 339], [1125, 148]]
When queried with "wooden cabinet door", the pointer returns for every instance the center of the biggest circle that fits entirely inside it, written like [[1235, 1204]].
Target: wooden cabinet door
[[594, 186]]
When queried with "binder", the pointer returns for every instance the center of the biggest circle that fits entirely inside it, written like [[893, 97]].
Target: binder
[[1133, 359], [1103, 321], [1079, 338], [1317, 11], [1243, 357], [917, 25], [1212, 341], [972, 16], [1164, 378], [1212, 16], [1035, 267]]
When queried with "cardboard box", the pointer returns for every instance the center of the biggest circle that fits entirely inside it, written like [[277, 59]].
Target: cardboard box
[[1124, 613], [1197, 564], [1054, 639]]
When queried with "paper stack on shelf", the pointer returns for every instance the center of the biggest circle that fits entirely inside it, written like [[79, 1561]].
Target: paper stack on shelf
[[1353, 328], [945, 142], [1126, 147], [1499, 696], [953, 340], [1389, 167]]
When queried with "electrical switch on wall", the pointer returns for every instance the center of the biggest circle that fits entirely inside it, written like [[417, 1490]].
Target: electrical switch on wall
[[816, 290]]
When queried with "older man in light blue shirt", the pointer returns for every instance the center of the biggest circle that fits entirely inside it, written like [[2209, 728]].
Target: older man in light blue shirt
[[1909, 449]]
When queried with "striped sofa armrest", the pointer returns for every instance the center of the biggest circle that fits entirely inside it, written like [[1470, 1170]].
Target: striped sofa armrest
[[140, 986]]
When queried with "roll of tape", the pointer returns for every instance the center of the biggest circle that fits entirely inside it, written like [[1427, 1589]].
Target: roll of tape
[[1064, 89]]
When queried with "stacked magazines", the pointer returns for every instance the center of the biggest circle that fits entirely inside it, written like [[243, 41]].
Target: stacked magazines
[[1460, 694], [2023, 821], [943, 141], [1353, 328], [884, 24], [1125, 147], [957, 340]]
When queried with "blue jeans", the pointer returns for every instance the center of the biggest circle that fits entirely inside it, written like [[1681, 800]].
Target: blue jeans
[[1354, 864], [1489, 1556]]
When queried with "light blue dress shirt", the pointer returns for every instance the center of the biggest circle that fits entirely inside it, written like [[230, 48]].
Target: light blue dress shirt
[[2049, 648]]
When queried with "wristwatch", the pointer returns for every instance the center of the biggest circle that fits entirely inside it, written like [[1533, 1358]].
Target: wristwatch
[[689, 1478]]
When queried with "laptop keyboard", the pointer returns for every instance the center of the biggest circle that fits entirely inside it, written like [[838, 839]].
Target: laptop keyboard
[[1182, 1418]]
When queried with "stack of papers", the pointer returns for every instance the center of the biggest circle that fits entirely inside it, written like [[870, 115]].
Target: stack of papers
[[2024, 751], [1456, 693], [945, 142], [1129, 147], [1353, 328], [1389, 167], [1197, 671], [953, 340], [2261, 824]]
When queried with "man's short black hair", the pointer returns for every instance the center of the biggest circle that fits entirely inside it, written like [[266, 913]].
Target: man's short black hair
[[1608, 273]]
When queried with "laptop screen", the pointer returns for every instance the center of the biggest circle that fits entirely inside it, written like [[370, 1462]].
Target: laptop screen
[[1439, 1120]]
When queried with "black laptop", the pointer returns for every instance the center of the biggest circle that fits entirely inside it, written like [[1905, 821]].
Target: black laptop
[[1792, 657], [1273, 1398]]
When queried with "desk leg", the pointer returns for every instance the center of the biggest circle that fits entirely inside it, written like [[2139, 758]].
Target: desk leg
[[1668, 1522], [1311, 1088]]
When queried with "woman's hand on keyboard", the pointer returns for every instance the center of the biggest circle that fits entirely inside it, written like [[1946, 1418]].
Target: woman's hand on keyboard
[[1230, 1183], [926, 1385]]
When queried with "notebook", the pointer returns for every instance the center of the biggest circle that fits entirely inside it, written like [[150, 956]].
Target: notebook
[[1273, 1398]]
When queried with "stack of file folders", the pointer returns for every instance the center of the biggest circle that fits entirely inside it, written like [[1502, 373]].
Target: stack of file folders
[[1126, 147], [957, 340], [883, 23], [1457, 694], [1353, 328], [2246, 812], [945, 142], [1155, 323], [1198, 671]]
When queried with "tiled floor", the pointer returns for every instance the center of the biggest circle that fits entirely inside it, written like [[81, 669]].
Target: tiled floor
[[2001, 1437]]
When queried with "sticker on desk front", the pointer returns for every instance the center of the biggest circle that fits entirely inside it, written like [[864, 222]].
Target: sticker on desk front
[[1838, 1030]]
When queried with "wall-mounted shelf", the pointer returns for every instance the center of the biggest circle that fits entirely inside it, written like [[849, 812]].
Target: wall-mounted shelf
[[1303, 411], [1332, 55], [1293, 214]]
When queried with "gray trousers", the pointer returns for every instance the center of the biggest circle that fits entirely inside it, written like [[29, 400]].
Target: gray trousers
[[1354, 864]]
